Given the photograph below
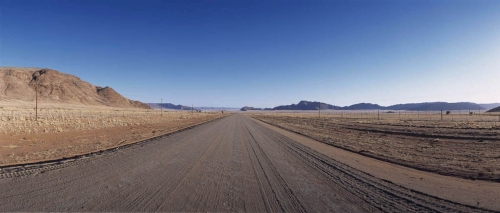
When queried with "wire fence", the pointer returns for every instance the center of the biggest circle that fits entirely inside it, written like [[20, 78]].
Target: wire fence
[[48, 114]]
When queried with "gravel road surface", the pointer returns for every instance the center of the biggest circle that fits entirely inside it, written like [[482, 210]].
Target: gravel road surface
[[231, 164]]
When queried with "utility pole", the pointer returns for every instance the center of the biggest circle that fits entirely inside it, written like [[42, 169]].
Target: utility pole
[[192, 109], [161, 107], [36, 99]]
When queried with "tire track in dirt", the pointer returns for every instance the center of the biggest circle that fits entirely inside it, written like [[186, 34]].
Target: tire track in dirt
[[192, 168], [274, 181], [171, 203], [349, 199], [445, 152], [377, 191], [122, 174]]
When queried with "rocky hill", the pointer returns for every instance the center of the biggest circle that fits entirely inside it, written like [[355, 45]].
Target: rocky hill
[[495, 110], [20, 84], [363, 106], [307, 105]]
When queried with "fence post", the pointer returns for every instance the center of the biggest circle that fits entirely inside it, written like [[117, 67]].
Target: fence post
[[378, 114], [441, 114], [319, 110]]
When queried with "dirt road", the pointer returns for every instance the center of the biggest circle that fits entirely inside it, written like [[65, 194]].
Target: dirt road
[[231, 164]]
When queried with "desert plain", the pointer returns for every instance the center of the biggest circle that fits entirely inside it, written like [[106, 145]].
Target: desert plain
[[460, 145], [68, 145]]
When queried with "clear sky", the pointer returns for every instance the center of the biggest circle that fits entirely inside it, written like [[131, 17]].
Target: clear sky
[[264, 53]]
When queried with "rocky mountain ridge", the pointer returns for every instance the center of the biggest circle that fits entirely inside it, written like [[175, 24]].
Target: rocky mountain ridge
[[51, 86]]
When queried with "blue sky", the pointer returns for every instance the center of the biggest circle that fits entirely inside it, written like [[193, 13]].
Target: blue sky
[[264, 53]]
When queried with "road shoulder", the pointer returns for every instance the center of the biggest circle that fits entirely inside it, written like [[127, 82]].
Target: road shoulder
[[482, 194]]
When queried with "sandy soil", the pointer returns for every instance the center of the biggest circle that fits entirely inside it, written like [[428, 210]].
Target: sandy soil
[[64, 132], [462, 149], [483, 194], [232, 164]]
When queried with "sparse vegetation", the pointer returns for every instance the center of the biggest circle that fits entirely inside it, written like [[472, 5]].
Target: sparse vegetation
[[64, 131], [465, 147]]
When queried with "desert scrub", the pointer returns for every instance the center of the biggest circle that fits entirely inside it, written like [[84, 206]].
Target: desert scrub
[[22, 121]]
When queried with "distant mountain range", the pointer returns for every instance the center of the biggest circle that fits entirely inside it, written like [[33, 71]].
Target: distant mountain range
[[168, 106], [182, 107], [313, 105], [246, 108], [427, 106]]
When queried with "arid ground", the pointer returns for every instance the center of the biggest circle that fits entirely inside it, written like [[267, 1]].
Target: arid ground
[[66, 130], [467, 147], [237, 163]]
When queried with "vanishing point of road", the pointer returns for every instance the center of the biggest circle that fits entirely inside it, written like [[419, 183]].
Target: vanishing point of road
[[232, 164]]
